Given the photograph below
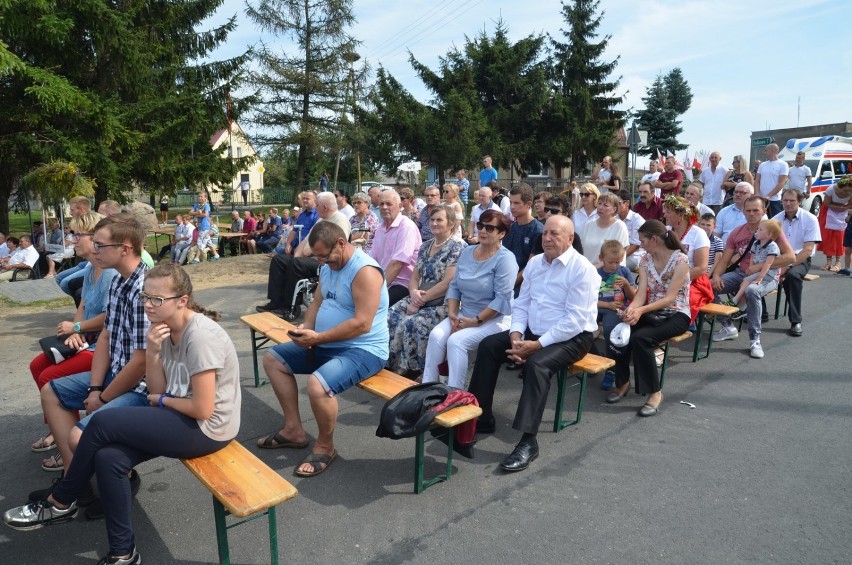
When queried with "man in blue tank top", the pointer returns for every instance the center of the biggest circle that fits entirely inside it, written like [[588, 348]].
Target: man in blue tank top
[[343, 340]]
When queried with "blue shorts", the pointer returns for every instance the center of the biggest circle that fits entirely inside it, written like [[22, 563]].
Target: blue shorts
[[847, 235], [73, 390], [336, 369]]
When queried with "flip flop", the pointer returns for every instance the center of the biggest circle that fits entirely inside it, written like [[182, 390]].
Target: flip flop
[[319, 462], [277, 441], [41, 444]]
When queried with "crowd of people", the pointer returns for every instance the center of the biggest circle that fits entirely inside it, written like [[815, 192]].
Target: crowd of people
[[404, 283]]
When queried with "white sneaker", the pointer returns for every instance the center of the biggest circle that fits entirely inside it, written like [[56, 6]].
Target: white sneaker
[[756, 350], [725, 334]]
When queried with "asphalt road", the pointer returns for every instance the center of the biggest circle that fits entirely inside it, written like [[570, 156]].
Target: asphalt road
[[759, 471]]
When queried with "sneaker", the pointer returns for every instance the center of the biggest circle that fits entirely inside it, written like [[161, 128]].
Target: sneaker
[[756, 349], [194, 262], [740, 315], [133, 559], [43, 493], [608, 381], [36, 515], [214, 258], [730, 302], [846, 272], [725, 334]]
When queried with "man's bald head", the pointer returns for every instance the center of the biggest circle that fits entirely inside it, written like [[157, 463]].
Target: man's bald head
[[557, 237]]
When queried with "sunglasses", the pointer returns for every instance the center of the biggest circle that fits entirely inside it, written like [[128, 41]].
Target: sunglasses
[[553, 210], [486, 227], [585, 194]]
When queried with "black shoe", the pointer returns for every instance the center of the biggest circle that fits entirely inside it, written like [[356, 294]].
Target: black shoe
[[442, 435], [43, 493], [268, 307], [740, 315], [291, 315], [795, 330], [764, 318], [512, 366], [133, 559], [524, 453]]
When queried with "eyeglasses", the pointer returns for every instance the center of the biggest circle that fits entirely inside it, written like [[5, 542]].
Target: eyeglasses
[[156, 301], [553, 210], [585, 194], [486, 227], [324, 258], [431, 194], [404, 198], [99, 246], [79, 234]]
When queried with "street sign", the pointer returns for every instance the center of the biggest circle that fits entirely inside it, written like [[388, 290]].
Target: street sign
[[260, 169], [761, 141], [410, 167]]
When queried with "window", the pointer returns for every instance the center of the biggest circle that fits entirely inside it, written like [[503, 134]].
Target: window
[[239, 152]]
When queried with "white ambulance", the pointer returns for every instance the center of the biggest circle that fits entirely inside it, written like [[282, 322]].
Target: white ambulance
[[829, 158]]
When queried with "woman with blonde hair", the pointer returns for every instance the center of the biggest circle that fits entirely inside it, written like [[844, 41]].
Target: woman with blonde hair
[[588, 208], [736, 174], [607, 225], [682, 217], [451, 199]]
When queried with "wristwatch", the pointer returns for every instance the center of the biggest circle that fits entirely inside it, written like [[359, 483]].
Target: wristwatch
[[92, 389], [478, 320], [77, 327]]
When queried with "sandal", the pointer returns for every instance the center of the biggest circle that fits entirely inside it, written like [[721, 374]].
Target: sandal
[[276, 441], [319, 462], [53, 463], [835, 268], [41, 443]]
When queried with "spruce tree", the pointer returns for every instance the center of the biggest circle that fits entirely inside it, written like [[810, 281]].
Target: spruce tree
[[303, 88], [582, 119], [665, 100]]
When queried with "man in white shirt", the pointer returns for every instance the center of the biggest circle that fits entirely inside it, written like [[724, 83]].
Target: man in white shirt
[[771, 178], [483, 196], [713, 177], [802, 231], [602, 174], [552, 323], [731, 217], [800, 175], [24, 257]]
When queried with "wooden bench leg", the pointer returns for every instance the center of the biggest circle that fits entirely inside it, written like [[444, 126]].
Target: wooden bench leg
[[256, 344], [663, 367], [699, 325], [219, 514], [222, 527], [562, 386], [421, 484]]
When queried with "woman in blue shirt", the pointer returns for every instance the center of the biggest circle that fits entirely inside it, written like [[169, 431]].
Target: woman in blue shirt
[[479, 300]]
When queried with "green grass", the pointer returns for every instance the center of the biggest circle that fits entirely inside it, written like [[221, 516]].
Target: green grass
[[19, 224]]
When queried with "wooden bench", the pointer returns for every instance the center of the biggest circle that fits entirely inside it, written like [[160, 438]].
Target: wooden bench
[[266, 327], [589, 365], [676, 339], [386, 385], [243, 486], [708, 311]]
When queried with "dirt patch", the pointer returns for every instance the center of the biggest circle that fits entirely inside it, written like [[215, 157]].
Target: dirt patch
[[228, 271]]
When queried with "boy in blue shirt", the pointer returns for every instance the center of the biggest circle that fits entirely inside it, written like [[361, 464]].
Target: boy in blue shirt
[[615, 289]]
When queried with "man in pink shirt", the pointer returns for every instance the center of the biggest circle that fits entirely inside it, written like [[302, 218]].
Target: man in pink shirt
[[395, 245]]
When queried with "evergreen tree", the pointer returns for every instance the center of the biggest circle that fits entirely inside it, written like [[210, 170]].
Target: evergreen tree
[[582, 120], [665, 100], [303, 89], [115, 88]]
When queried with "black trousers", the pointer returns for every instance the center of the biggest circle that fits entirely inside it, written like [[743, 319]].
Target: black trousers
[[396, 293], [644, 338], [792, 283], [537, 373], [284, 272], [232, 242]]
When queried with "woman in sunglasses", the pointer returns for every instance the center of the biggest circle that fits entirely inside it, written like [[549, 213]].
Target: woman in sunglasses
[[588, 209], [82, 331], [479, 300]]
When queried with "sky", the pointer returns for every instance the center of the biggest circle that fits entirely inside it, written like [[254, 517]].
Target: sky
[[751, 65]]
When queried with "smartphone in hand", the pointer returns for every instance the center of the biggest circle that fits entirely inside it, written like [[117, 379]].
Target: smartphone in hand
[[294, 333]]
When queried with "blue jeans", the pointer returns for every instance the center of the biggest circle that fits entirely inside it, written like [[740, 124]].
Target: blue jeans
[[753, 295], [73, 390], [336, 369], [65, 277]]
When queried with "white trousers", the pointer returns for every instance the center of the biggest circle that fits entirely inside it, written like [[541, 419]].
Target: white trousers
[[456, 346]]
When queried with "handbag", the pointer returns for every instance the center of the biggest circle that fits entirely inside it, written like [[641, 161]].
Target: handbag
[[658, 317], [739, 260], [56, 351]]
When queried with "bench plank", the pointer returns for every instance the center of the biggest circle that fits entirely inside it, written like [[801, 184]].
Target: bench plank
[[592, 364], [713, 309], [239, 480]]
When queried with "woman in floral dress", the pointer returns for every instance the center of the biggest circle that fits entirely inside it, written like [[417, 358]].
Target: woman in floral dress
[[411, 319]]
